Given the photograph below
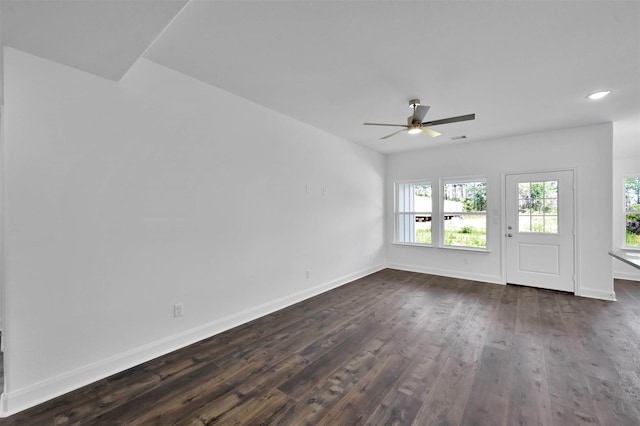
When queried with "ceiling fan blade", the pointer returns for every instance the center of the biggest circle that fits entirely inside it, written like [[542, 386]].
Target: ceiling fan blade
[[427, 131], [421, 111], [394, 133], [382, 124], [450, 120]]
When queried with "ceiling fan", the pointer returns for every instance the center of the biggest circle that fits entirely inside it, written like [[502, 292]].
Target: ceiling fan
[[414, 122]]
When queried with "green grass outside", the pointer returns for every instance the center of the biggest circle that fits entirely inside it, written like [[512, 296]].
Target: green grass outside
[[633, 240], [465, 237], [423, 236]]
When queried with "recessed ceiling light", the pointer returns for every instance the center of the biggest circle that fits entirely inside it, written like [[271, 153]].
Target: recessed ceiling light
[[599, 95]]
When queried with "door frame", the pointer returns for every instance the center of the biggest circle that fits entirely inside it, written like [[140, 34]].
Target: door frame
[[576, 223]]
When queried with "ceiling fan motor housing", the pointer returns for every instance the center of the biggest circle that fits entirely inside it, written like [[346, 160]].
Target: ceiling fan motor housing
[[413, 123]]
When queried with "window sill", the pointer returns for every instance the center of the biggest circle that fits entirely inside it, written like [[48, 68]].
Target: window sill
[[412, 244], [457, 248], [476, 249]]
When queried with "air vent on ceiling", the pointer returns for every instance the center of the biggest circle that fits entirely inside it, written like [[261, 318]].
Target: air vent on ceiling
[[458, 138]]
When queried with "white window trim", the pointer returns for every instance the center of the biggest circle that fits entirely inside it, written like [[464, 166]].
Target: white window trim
[[437, 230]]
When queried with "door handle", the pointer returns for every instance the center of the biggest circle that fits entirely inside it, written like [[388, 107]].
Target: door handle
[[509, 227], [509, 235]]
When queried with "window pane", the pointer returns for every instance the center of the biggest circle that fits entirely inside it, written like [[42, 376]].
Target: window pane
[[537, 223], [551, 224], [414, 228], [524, 207], [524, 223], [468, 230], [632, 193], [551, 189], [551, 207], [633, 230], [423, 232], [414, 197], [465, 197]]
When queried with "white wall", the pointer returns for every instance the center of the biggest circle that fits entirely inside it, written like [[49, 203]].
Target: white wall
[[125, 198], [587, 150]]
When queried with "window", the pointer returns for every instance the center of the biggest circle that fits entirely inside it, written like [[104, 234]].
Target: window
[[632, 211], [464, 213], [538, 207], [413, 213]]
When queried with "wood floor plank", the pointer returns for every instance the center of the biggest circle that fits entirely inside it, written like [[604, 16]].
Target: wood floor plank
[[551, 321], [266, 407], [393, 348], [611, 403], [395, 409], [470, 344], [489, 395], [419, 380], [528, 319], [356, 406], [501, 332], [567, 383], [567, 416], [317, 371], [446, 404], [529, 402], [323, 398]]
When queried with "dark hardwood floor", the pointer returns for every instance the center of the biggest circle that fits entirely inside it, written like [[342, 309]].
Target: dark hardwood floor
[[392, 348]]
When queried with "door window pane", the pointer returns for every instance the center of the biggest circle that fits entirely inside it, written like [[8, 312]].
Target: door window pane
[[538, 207]]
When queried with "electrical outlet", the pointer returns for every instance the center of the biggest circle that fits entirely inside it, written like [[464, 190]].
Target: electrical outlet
[[178, 310], [308, 274]]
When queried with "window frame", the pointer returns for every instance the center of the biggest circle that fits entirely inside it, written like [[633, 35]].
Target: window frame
[[443, 212], [397, 213], [626, 212]]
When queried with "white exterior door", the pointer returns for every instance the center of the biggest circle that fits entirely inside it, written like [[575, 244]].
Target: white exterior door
[[540, 230]]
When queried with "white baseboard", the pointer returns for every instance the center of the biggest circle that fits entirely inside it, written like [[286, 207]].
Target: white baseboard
[[21, 399], [632, 276], [494, 279], [598, 294]]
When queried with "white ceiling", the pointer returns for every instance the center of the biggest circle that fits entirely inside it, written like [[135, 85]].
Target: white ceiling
[[521, 66]]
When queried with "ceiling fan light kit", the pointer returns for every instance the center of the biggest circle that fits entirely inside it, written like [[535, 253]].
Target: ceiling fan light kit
[[598, 95], [414, 121]]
